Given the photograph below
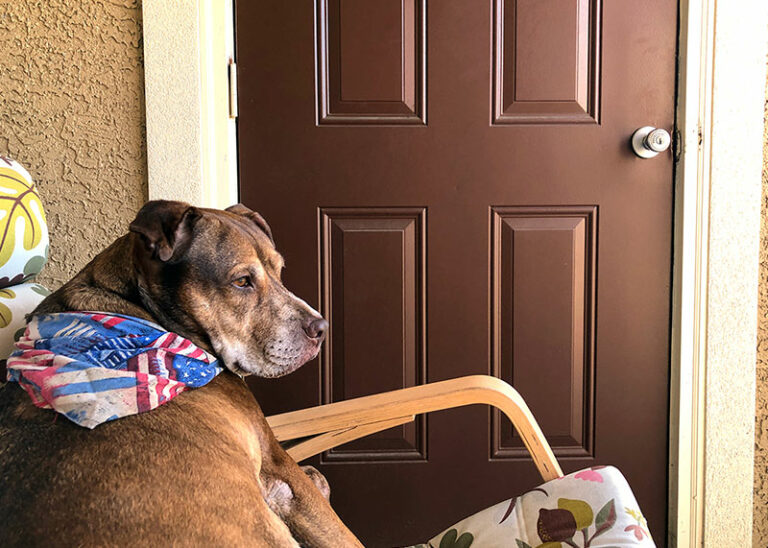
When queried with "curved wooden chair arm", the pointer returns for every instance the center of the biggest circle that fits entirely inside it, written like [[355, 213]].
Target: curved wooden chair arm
[[337, 423]]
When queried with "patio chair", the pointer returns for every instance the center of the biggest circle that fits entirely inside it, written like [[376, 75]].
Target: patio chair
[[593, 508]]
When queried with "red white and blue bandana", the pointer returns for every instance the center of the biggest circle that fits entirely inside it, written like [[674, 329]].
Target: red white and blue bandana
[[93, 367]]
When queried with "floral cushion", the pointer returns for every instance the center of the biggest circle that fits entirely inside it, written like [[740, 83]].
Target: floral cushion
[[590, 508], [23, 231]]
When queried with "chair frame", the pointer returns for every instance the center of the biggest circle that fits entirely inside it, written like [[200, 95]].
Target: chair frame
[[331, 425]]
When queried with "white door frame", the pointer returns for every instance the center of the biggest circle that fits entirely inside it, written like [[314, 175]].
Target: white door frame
[[191, 139], [191, 150]]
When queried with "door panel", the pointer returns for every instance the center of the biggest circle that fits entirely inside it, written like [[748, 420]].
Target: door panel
[[451, 184], [543, 325], [370, 62], [568, 90], [373, 290]]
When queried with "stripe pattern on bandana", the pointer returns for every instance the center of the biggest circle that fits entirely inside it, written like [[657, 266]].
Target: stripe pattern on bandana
[[94, 367]]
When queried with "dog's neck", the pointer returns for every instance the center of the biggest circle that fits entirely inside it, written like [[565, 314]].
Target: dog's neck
[[112, 283]]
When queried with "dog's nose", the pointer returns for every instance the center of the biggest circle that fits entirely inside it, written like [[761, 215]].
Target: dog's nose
[[315, 328]]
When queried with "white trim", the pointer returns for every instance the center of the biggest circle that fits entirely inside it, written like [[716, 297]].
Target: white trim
[[190, 146], [191, 141], [688, 340], [217, 39], [717, 227]]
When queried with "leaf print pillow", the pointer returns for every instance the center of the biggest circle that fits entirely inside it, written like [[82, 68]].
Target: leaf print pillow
[[23, 229]]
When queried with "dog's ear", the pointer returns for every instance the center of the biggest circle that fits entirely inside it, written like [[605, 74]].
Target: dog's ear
[[165, 227], [257, 219]]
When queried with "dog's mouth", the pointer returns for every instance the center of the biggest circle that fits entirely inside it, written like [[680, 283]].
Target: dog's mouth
[[237, 370], [286, 354], [276, 359], [286, 358]]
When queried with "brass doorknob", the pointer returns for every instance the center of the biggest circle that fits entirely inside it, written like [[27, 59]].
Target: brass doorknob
[[648, 141]]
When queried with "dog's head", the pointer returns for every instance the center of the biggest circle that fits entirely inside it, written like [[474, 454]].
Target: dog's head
[[216, 274]]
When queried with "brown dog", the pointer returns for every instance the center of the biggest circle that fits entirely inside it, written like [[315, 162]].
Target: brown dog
[[203, 469]]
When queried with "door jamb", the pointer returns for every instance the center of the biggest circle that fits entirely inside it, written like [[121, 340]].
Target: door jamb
[[721, 94], [688, 326], [191, 137], [192, 156]]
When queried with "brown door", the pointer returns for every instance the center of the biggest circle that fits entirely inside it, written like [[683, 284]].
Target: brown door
[[451, 183]]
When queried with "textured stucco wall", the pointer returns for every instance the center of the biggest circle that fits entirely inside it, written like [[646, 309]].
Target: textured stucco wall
[[72, 112], [760, 531]]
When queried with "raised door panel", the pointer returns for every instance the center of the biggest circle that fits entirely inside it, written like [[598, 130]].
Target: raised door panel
[[546, 61], [372, 265], [370, 62], [543, 302]]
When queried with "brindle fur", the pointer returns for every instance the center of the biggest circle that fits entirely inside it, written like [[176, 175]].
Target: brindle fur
[[204, 469]]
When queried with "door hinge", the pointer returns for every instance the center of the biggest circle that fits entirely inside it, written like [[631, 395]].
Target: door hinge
[[232, 70]]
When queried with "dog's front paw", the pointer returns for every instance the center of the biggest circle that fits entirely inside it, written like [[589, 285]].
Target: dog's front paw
[[318, 479]]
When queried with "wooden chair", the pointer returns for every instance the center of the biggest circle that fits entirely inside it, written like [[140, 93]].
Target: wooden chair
[[331, 425], [601, 490]]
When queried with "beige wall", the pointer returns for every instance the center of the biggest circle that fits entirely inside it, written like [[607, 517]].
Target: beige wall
[[72, 112], [760, 532]]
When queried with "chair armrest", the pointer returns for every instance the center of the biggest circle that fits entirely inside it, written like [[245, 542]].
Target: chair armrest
[[340, 422]]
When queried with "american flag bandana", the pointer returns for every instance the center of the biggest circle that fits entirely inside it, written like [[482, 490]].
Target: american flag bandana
[[93, 367]]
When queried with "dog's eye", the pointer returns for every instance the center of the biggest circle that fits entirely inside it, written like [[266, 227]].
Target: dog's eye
[[243, 281]]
